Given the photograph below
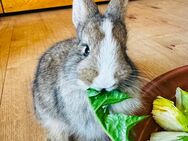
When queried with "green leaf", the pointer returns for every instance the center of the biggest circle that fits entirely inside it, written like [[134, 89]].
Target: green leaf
[[183, 138], [116, 126], [92, 92], [182, 100], [101, 114], [115, 96], [106, 98]]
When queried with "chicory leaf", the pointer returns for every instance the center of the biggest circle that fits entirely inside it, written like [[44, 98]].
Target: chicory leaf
[[182, 100], [168, 116], [169, 136]]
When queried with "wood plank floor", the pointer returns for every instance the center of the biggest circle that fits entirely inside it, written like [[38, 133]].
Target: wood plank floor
[[158, 42]]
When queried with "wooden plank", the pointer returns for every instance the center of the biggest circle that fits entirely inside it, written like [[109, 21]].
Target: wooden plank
[[22, 5], [155, 58], [158, 35], [167, 7], [155, 22], [6, 28], [17, 122]]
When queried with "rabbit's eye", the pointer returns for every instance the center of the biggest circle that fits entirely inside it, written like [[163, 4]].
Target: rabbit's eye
[[86, 50]]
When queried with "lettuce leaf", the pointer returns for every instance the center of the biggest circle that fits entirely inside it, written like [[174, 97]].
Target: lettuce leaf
[[116, 126], [119, 125], [105, 98]]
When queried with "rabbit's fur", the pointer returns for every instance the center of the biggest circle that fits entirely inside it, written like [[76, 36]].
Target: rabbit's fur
[[67, 70]]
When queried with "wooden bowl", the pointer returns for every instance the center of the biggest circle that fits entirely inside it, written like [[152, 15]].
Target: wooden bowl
[[165, 86]]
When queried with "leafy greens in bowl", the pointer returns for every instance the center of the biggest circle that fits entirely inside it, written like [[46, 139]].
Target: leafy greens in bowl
[[172, 118], [165, 86]]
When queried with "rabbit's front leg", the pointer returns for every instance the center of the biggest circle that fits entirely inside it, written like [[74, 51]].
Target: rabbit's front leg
[[56, 130]]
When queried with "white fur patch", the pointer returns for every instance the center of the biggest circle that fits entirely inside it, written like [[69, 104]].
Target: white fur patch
[[107, 59]]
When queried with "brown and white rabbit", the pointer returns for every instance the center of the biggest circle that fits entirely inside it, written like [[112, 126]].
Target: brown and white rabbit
[[96, 58]]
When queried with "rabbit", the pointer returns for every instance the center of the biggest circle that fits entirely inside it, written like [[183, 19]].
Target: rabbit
[[96, 58]]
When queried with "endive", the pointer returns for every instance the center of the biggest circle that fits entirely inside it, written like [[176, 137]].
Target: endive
[[182, 100], [168, 116], [169, 136]]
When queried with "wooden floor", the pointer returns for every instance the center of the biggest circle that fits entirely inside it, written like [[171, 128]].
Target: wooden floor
[[158, 42]]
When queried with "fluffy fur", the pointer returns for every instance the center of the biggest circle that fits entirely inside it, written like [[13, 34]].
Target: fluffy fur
[[64, 73]]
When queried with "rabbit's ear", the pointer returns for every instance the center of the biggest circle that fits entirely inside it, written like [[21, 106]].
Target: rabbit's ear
[[116, 9], [82, 10]]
